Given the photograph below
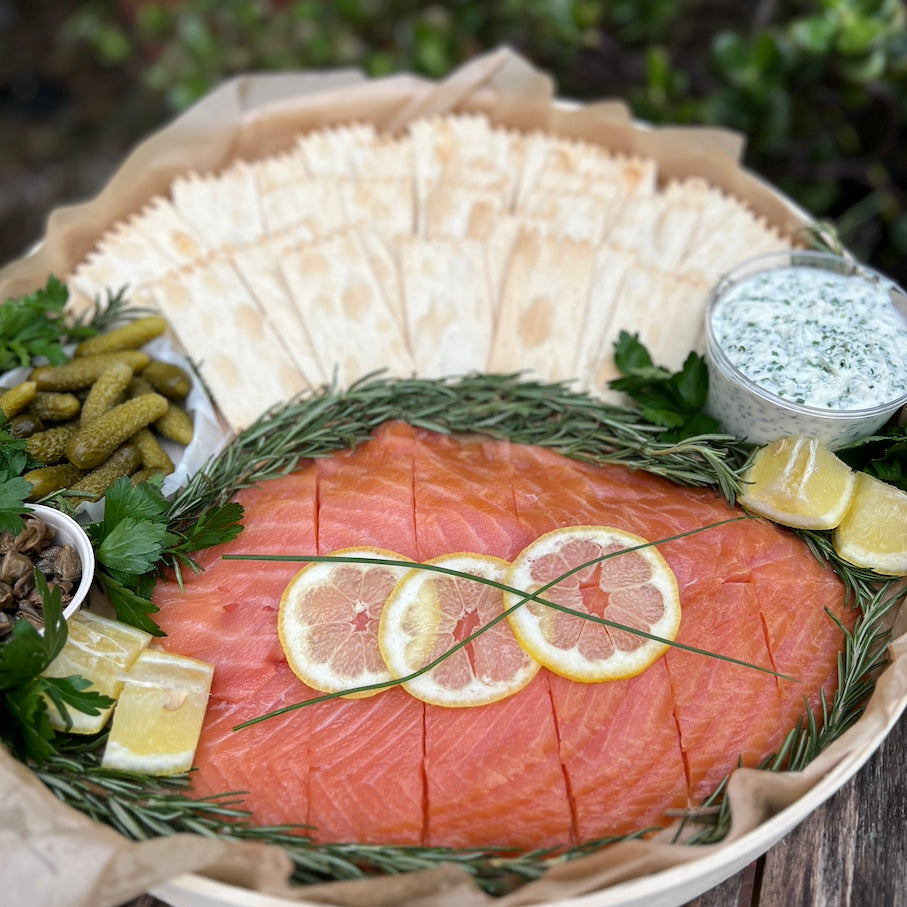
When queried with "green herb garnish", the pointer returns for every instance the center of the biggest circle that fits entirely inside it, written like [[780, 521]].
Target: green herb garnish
[[672, 400], [882, 455], [33, 326], [23, 706], [14, 490], [134, 540]]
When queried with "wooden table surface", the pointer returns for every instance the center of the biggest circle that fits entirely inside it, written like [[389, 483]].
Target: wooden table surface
[[851, 852]]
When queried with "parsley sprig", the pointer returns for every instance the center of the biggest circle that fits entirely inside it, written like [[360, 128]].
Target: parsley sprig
[[33, 326], [24, 713], [883, 455], [14, 460], [134, 540], [672, 400]]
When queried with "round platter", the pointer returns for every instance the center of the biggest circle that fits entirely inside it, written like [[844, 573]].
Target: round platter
[[527, 193]]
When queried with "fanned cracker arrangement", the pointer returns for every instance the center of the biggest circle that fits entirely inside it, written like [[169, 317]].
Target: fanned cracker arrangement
[[456, 246]]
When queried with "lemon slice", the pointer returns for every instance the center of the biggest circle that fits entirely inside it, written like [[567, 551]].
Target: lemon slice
[[428, 613], [635, 589], [328, 621], [873, 532], [798, 482], [159, 715], [100, 650]]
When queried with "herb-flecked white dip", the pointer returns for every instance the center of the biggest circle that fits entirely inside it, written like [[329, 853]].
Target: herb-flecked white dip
[[815, 337]]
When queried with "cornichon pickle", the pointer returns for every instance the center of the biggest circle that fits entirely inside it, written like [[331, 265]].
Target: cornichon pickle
[[25, 425], [122, 462], [168, 379], [107, 391], [139, 386], [153, 455], [95, 441], [51, 406], [17, 398], [176, 424], [84, 371], [49, 446], [49, 479], [128, 337]]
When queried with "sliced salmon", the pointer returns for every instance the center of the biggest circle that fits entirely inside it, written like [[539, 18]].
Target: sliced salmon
[[559, 762], [621, 752], [726, 713], [494, 775]]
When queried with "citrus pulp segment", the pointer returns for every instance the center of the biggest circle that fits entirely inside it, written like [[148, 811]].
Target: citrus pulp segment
[[328, 621], [159, 715], [634, 588], [873, 532], [100, 650], [798, 482], [428, 613]]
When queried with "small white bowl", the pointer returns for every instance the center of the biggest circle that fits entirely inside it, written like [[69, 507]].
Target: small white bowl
[[68, 531], [749, 410]]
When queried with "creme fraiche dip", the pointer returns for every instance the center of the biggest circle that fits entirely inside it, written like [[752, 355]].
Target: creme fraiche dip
[[806, 343]]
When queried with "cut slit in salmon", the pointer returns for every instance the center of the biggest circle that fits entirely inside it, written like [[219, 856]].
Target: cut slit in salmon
[[557, 764]]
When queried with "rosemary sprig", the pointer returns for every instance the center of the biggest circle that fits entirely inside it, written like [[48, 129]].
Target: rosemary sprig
[[499, 406]]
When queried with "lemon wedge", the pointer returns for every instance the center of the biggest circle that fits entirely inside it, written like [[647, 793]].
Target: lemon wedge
[[873, 532], [100, 650], [798, 482], [429, 613], [158, 718], [636, 589]]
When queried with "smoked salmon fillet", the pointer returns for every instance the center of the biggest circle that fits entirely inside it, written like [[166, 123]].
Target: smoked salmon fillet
[[557, 764]]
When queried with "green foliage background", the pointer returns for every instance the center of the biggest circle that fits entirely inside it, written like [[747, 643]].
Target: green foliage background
[[819, 89]]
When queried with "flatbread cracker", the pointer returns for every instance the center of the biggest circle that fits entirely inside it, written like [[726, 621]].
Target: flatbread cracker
[[223, 209], [447, 305], [543, 307], [344, 309], [461, 212], [385, 205], [124, 258], [161, 224], [228, 341], [258, 266], [556, 164], [333, 151], [315, 204]]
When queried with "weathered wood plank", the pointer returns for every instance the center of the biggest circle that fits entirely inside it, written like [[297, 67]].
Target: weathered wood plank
[[853, 850]]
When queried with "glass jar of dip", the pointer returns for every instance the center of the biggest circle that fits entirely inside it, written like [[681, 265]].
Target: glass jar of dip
[[805, 343]]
